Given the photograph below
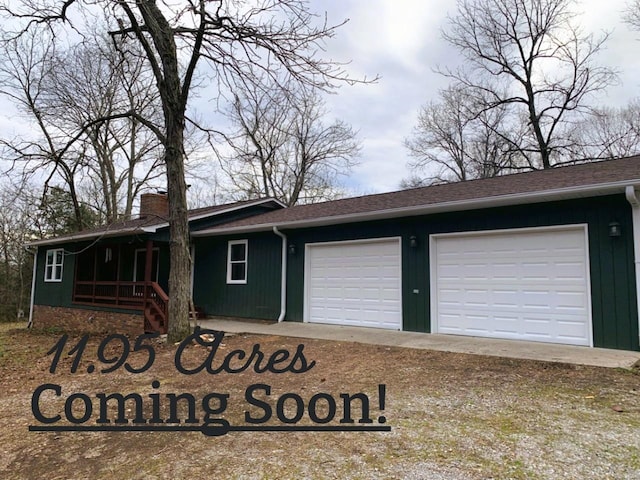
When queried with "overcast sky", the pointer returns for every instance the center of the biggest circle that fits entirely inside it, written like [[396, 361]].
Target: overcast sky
[[401, 41]]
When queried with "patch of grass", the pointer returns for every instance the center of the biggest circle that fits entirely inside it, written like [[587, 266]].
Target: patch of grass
[[8, 326], [51, 330], [17, 346], [634, 370], [633, 458], [4, 329]]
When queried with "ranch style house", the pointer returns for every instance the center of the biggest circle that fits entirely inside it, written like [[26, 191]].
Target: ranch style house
[[546, 256]]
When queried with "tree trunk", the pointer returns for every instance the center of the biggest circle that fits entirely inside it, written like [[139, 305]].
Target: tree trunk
[[179, 273], [174, 107]]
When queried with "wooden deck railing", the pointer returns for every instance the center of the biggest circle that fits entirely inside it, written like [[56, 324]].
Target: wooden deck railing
[[120, 294], [148, 297]]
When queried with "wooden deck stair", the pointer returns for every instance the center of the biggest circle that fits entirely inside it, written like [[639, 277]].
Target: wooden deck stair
[[154, 320], [156, 309]]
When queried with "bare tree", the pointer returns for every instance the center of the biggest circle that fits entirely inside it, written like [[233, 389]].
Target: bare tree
[[72, 95], [25, 216], [92, 81], [283, 149], [632, 14], [452, 142], [27, 63], [235, 39], [528, 55], [609, 133], [18, 216]]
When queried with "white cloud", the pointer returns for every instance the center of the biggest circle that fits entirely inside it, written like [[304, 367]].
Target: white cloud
[[402, 42]]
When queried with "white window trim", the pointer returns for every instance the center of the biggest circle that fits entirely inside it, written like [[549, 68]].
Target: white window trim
[[245, 261], [135, 264], [54, 251]]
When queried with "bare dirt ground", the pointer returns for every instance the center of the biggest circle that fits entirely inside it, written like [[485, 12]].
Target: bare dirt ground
[[452, 416]]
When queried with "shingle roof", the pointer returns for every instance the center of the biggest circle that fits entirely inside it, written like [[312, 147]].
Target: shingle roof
[[148, 223], [589, 179]]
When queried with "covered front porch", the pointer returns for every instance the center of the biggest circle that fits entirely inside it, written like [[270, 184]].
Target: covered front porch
[[131, 275]]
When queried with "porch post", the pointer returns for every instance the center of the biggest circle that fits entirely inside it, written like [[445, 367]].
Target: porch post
[[147, 278], [148, 262], [95, 274], [119, 291], [147, 272], [118, 276]]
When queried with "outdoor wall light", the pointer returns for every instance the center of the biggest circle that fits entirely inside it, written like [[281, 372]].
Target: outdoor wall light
[[413, 241], [614, 229], [292, 249]]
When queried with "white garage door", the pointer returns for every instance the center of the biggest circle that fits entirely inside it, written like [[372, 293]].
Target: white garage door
[[354, 283], [529, 285]]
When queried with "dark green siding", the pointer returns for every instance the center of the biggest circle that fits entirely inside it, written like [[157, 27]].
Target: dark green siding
[[60, 293], [258, 298], [613, 290], [613, 282], [55, 294]]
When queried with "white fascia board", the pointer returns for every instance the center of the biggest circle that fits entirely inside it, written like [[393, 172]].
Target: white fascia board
[[454, 206], [226, 210], [91, 235]]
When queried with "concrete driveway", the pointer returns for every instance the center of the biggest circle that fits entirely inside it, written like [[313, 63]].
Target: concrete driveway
[[599, 357]]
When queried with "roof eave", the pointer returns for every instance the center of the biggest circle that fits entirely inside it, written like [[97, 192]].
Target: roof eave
[[226, 210], [148, 229], [91, 236], [444, 207]]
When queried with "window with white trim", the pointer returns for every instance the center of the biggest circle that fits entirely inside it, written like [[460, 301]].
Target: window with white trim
[[237, 261], [53, 265]]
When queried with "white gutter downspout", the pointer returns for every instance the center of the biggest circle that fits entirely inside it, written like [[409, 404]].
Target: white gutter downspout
[[630, 193], [33, 288], [283, 280]]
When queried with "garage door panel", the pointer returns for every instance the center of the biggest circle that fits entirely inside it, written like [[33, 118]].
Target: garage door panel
[[530, 285], [355, 283]]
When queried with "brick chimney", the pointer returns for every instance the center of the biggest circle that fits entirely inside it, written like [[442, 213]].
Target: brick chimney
[[154, 205]]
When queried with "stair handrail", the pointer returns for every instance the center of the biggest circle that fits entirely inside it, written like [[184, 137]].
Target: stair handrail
[[159, 300]]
